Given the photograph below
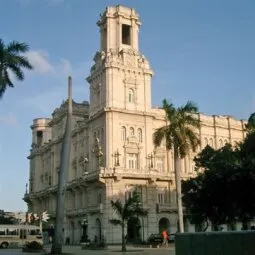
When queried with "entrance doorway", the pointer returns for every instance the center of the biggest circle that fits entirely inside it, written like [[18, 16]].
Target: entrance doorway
[[98, 229], [163, 224], [134, 230]]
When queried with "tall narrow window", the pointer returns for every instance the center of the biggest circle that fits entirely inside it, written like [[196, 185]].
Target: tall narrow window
[[131, 131], [211, 142], [220, 143], [132, 161], [140, 135], [159, 164], [123, 134], [126, 34], [161, 196], [205, 142], [131, 96], [39, 135]]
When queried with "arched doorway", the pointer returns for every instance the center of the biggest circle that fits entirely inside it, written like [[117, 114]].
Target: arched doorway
[[134, 230], [163, 224], [72, 232], [98, 229]]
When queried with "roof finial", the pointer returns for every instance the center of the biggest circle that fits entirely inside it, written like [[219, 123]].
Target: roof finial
[[69, 94]]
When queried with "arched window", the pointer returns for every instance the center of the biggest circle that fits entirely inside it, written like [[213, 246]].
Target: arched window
[[131, 96], [123, 134], [220, 143], [131, 131], [211, 142], [205, 142], [225, 142], [140, 135]]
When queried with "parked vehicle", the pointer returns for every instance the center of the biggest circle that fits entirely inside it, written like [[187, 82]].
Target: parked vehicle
[[19, 235], [155, 239], [171, 237]]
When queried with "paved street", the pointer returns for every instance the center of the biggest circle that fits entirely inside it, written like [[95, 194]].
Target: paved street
[[111, 250]]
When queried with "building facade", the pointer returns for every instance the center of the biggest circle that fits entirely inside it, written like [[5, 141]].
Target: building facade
[[112, 148]]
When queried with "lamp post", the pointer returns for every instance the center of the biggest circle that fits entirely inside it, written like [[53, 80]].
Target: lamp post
[[150, 157], [84, 225], [116, 156]]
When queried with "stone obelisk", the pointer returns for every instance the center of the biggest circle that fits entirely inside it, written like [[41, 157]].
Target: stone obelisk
[[62, 180]]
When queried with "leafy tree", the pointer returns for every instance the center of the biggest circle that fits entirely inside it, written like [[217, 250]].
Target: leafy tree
[[225, 191], [218, 187], [11, 60], [194, 203], [180, 137], [125, 211], [250, 126], [246, 178]]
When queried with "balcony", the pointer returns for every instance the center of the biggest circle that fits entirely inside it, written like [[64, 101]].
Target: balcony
[[82, 211], [76, 212], [96, 208], [149, 174], [170, 208]]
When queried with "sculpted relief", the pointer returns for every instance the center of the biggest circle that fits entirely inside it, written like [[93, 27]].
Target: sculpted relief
[[127, 57]]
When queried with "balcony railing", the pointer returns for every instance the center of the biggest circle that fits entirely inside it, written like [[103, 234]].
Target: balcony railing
[[136, 173], [81, 211], [167, 207]]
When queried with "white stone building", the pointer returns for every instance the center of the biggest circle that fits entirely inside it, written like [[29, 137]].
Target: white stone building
[[112, 149]]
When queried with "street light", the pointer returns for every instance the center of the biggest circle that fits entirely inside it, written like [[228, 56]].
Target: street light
[[84, 237]]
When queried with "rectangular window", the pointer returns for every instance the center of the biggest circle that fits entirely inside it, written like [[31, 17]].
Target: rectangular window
[[39, 135], [132, 161], [159, 164], [161, 199], [126, 34]]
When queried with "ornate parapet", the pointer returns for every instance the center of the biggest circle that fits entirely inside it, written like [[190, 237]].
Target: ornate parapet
[[123, 173]]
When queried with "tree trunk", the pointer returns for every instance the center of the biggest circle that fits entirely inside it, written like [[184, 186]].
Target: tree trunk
[[123, 248], [177, 169]]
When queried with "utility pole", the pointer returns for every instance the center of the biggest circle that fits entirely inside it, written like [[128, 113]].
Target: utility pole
[[64, 165]]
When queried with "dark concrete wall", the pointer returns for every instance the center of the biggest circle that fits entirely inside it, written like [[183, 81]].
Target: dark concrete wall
[[216, 243]]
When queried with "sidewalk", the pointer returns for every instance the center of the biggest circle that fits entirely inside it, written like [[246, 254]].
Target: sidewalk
[[116, 249]]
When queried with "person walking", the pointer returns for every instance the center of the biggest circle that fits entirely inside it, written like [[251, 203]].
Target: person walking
[[165, 238]]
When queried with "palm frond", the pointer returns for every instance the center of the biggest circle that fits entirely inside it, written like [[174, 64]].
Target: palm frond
[[2, 90], [117, 207], [19, 61], [1, 50], [17, 71], [140, 211], [115, 222], [11, 60], [6, 79], [192, 120], [23, 62], [169, 109], [189, 107], [17, 47], [192, 138], [159, 135]]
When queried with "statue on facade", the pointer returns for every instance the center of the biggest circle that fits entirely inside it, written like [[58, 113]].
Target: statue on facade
[[98, 151]]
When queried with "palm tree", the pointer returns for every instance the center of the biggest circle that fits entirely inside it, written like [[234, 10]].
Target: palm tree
[[180, 136], [132, 207], [12, 60]]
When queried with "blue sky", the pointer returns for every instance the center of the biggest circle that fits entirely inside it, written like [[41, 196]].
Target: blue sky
[[200, 50]]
